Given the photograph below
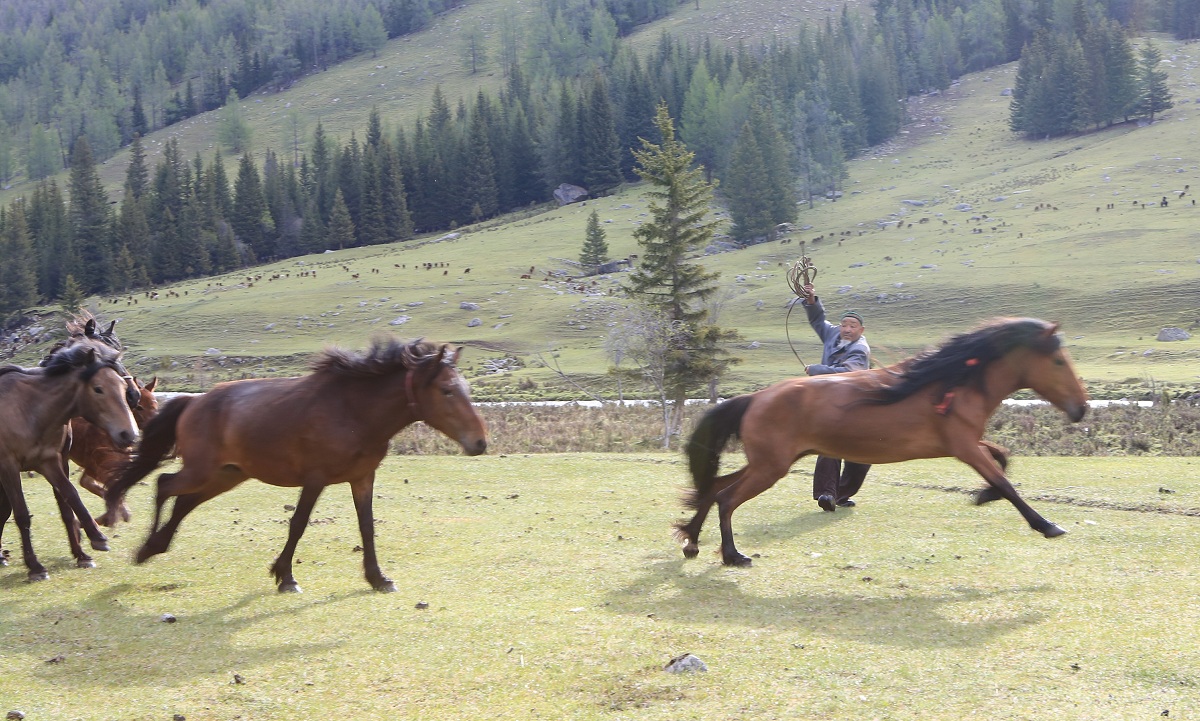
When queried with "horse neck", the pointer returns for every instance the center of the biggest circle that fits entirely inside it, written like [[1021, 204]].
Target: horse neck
[[50, 401], [1000, 380], [384, 404]]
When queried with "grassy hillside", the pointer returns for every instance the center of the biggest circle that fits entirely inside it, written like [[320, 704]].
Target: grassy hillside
[[1069, 229]]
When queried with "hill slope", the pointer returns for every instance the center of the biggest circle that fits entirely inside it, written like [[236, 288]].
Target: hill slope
[[955, 222]]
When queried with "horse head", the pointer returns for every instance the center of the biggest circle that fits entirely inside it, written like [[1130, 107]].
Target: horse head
[[1048, 371], [445, 401], [103, 398]]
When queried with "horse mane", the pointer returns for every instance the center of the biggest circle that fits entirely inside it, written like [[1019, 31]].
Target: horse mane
[[385, 356], [62, 361], [962, 360]]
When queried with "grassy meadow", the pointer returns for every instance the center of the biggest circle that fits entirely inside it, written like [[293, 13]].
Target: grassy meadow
[[554, 590]]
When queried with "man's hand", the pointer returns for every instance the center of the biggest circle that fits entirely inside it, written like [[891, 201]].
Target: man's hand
[[810, 296]]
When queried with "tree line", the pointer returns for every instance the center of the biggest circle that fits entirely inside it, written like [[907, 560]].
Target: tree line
[[773, 123]]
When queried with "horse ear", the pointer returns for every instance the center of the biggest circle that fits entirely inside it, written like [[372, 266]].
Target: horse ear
[[110, 328], [454, 358], [89, 328], [1051, 329], [153, 382]]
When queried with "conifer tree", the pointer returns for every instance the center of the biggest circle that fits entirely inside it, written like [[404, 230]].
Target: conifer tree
[[249, 209], [89, 219], [666, 280], [595, 247], [71, 297], [747, 188], [18, 275], [601, 147], [341, 227], [1155, 96]]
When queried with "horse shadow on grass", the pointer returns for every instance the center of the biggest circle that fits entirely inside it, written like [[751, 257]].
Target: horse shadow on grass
[[912, 619], [197, 644]]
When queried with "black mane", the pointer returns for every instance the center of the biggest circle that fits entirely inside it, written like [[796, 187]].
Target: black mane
[[384, 357], [962, 360], [70, 358]]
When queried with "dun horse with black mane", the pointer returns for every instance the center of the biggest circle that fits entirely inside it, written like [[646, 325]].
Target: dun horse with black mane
[[332, 426], [934, 405]]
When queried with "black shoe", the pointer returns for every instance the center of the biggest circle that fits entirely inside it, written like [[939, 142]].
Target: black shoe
[[847, 503], [826, 502]]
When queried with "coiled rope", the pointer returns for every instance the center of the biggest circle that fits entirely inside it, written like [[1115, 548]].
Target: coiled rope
[[802, 273]]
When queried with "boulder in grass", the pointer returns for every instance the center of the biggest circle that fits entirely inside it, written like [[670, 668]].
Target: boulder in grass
[[1173, 334], [686, 663]]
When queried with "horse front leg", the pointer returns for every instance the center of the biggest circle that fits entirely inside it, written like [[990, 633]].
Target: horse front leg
[[985, 463], [689, 532], [282, 568], [53, 472], [82, 560], [363, 490], [5, 512]]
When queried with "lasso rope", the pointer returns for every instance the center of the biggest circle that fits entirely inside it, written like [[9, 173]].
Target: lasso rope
[[802, 273]]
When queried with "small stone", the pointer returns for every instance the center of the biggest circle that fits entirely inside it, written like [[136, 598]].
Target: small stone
[[179, 717], [422, 605], [685, 664], [167, 618], [15, 714], [237, 679]]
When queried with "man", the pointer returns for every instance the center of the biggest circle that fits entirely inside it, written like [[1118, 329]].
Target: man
[[845, 349]]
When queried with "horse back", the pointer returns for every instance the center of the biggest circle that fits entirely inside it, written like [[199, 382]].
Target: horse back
[[832, 415]]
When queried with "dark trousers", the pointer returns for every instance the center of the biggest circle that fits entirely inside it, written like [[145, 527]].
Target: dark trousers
[[837, 478]]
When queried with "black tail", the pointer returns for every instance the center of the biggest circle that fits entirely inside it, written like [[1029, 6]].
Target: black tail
[[708, 441], [158, 440]]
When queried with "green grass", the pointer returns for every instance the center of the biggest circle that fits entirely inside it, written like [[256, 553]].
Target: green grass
[[555, 591]]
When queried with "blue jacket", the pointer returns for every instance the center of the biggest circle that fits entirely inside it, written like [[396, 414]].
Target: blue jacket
[[854, 356]]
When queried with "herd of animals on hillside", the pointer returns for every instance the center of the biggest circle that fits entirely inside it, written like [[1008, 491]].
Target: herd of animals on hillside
[[333, 426]]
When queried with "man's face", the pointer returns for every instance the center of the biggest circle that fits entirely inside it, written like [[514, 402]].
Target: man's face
[[851, 329]]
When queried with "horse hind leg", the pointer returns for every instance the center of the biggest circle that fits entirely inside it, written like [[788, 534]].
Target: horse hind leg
[[753, 482], [689, 533], [1000, 455]]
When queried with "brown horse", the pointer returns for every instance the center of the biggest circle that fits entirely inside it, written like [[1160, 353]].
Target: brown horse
[[35, 405], [332, 426], [930, 406], [98, 457]]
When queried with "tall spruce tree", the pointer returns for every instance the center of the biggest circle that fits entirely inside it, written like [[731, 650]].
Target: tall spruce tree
[[601, 147], [249, 210], [18, 273], [747, 188], [665, 279], [1155, 96], [89, 219]]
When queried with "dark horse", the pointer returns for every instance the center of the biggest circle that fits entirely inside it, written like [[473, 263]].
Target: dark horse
[[332, 426], [98, 458], [35, 405], [930, 406]]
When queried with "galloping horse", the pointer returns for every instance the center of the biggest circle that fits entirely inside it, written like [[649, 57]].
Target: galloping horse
[[98, 457], [35, 405], [930, 406], [332, 426]]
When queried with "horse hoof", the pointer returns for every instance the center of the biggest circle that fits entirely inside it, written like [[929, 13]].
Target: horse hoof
[[42, 575], [85, 563], [691, 551], [102, 520], [1053, 531], [100, 545], [290, 587], [737, 559], [386, 586], [142, 555]]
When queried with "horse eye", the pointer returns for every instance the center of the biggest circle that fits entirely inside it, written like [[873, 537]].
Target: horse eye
[[1059, 362], [98, 390]]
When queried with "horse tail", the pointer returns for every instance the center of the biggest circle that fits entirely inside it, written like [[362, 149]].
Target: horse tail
[[708, 440], [158, 440]]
